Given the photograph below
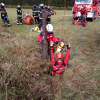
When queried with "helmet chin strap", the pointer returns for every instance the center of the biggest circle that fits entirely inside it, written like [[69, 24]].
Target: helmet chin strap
[[49, 32]]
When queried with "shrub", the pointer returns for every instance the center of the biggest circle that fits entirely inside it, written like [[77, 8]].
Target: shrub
[[69, 8], [30, 7]]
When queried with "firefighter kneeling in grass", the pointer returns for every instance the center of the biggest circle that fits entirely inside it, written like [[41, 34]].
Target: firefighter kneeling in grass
[[49, 35], [83, 13], [4, 15], [59, 65], [19, 15]]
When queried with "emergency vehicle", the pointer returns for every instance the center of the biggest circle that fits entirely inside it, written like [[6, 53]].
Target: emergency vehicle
[[92, 8]]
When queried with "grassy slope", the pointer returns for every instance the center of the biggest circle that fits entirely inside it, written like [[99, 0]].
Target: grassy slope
[[19, 54]]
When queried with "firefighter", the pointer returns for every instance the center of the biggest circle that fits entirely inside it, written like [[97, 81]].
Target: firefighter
[[59, 65], [75, 9], [35, 14], [49, 17], [46, 7], [19, 15], [49, 35], [4, 15], [39, 8], [40, 15], [83, 13]]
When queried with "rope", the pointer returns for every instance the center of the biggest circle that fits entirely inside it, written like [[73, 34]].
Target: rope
[[71, 35], [18, 19], [79, 45], [15, 20], [63, 19]]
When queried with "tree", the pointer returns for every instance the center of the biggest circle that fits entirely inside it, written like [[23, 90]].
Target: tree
[[57, 3]]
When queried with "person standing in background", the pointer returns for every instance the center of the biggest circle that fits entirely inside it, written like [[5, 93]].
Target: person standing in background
[[4, 15], [19, 15], [35, 14]]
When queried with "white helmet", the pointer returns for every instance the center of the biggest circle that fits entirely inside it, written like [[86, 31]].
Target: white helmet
[[18, 6], [41, 4], [2, 4], [49, 28]]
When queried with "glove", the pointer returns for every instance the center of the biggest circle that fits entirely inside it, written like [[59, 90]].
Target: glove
[[62, 44], [62, 39], [68, 46], [51, 43], [59, 40]]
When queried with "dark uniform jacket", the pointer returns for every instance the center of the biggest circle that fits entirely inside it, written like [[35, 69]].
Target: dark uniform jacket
[[49, 10], [40, 12], [3, 12], [35, 11], [19, 12]]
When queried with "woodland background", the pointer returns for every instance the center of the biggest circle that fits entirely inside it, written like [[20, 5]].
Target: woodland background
[[55, 4]]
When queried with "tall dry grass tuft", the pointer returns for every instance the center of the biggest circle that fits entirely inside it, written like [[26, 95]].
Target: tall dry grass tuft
[[22, 72]]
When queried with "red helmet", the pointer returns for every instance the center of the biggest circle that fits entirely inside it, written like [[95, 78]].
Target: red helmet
[[59, 55], [83, 4], [75, 5]]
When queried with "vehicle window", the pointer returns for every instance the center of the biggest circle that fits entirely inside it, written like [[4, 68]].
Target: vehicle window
[[83, 1]]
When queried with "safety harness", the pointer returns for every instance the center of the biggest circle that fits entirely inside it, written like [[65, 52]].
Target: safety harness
[[58, 68], [3, 10]]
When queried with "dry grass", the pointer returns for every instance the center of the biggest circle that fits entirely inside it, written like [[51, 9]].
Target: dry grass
[[24, 76]]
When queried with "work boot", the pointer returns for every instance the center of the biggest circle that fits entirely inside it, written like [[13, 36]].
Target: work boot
[[8, 25], [17, 23], [4, 24], [21, 23]]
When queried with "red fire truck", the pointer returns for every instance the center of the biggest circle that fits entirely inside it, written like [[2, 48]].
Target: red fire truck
[[92, 8]]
